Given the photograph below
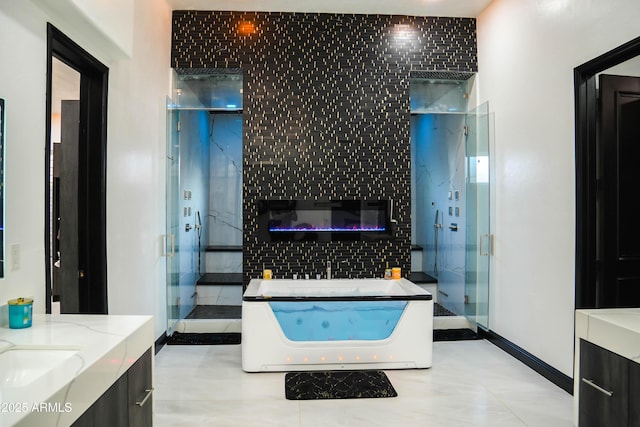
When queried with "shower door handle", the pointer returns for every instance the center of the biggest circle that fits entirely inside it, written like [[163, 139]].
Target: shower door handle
[[489, 238], [164, 245]]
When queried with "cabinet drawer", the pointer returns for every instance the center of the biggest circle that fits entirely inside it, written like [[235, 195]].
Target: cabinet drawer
[[604, 387], [140, 391]]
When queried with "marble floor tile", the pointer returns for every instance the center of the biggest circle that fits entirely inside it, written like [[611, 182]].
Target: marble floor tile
[[471, 383]]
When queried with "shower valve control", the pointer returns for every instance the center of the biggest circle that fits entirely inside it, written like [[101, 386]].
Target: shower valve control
[[453, 226], [187, 227]]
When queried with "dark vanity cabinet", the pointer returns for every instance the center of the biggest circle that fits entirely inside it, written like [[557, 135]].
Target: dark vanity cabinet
[[139, 392], [128, 402], [634, 394], [609, 388]]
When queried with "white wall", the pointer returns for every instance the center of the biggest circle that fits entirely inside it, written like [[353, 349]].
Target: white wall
[[114, 18], [107, 26], [136, 158], [135, 149], [527, 51], [22, 85]]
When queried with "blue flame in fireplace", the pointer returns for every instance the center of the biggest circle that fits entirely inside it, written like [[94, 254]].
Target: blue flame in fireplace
[[329, 229]]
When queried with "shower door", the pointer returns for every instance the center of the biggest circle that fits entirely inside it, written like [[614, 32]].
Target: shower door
[[479, 240], [170, 250]]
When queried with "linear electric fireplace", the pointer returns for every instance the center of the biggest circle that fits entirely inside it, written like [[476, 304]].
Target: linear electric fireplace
[[324, 221]]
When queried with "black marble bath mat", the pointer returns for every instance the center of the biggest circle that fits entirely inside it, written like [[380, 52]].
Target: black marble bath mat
[[217, 338], [337, 385]]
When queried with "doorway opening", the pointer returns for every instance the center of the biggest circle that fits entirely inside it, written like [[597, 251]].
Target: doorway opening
[[75, 178], [590, 289]]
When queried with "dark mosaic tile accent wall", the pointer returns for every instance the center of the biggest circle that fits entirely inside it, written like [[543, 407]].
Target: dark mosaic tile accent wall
[[326, 116]]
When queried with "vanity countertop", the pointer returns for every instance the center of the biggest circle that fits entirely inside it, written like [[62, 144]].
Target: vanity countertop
[[96, 350], [616, 329]]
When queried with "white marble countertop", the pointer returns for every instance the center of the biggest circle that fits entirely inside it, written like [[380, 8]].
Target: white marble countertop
[[103, 346], [616, 329]]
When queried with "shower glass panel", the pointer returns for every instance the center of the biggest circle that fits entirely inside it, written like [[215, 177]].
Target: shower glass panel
[[479, 240], [222, 91], [438, 96], [170, 250], [187, 202]]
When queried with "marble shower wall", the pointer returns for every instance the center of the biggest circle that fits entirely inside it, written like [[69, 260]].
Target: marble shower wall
[[225, 201], [326, 116], [439, 169]]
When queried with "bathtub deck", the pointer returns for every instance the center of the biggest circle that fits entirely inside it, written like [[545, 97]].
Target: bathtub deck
[[235, 312]]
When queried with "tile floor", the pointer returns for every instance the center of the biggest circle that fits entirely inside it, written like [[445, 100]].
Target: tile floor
[[471, 383]]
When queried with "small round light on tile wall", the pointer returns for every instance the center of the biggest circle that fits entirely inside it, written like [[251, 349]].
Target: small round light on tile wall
[[246, 28]]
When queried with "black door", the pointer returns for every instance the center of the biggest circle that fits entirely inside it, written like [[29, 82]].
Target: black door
[[618, 212]]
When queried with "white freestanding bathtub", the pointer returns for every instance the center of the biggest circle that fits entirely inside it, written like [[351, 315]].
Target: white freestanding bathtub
[[295, 325]]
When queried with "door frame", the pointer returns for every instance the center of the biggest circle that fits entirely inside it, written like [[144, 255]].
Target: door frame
[[586, 112], [92, 170]]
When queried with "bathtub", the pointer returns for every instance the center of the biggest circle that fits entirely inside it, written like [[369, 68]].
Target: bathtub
[[304, 325]]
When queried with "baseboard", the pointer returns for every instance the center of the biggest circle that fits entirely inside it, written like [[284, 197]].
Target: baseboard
[[549, 372], [161, 341]]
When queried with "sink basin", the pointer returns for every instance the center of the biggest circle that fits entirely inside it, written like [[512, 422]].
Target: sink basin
[[19, 366]]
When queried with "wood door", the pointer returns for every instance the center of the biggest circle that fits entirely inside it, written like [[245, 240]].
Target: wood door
[[618, 209], [67, 206]]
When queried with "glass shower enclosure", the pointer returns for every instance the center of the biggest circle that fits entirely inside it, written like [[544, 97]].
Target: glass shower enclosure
[[451, 199], [195, 97]]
